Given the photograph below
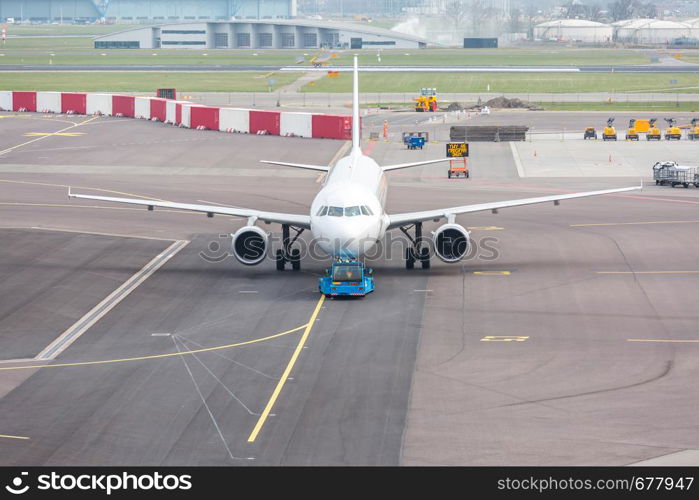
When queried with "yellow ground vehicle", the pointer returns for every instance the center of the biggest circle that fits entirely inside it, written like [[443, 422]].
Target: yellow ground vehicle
[[632, 133], [693, 134], [590, 133], [609, 133], [642, 126], [427, 100], [653, 133], [672, 131]]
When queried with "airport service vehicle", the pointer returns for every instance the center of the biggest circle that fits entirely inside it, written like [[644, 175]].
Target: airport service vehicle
[[672, 132], [590, 133], [609, 133], [632, 133], [346, 277], [414, 140], [669, 172], [653, 133], [485, 110], [427, 101], [348, 217]]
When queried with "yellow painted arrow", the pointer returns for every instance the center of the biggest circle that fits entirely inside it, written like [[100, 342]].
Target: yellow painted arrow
[[62, 134]]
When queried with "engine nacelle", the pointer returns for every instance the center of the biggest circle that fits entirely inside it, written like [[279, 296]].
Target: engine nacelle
[[249, 244], [451, 242]]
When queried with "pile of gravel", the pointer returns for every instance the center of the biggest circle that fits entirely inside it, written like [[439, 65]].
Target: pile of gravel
[[505, 103]]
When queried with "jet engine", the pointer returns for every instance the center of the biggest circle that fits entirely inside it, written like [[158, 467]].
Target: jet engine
[[249, 244], [451, 242]]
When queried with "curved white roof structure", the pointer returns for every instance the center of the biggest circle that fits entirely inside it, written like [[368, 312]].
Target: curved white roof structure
[[651, 31], [258, 34], [574, 30]]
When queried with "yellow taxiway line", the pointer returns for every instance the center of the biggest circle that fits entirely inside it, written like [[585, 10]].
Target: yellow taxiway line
[[287, 371], [4, 436], [41, 138], [155, 356], [66, 186]]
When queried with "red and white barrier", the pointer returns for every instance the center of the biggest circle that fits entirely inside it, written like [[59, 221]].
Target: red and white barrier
[[74, 103], [234, 120], [332, 127], [6, 100], [265, 122], [23, 101], [142, 107], [182, 113], [99, 104], [173, 112], [204, 118], [48, 102], [123, 105], [296, 124], [158, 109], [186, 119]]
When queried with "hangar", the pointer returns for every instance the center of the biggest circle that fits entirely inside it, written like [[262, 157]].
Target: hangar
[[258, 34]]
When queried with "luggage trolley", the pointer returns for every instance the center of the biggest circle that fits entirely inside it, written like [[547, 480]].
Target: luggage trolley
[[457, 152], [669, 172]]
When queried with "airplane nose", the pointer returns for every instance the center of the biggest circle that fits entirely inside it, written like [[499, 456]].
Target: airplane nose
[[347, 240]]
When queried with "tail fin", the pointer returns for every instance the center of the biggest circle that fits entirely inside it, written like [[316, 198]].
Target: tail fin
[[356, 128]]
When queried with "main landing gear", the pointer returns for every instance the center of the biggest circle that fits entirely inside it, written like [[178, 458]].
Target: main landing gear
[[289, 254], [417, 252]]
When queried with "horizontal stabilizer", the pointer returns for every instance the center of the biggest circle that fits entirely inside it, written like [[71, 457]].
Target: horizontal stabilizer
[[413, 164], [319, 168]]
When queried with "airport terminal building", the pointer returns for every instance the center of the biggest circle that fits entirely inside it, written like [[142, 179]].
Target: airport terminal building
[[259, 34]]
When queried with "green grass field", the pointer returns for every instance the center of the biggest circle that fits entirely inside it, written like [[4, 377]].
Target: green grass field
[[510, 82], [72, 50], [96, 81]]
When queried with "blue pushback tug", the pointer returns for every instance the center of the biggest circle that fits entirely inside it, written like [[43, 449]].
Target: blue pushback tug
[[346, 278]]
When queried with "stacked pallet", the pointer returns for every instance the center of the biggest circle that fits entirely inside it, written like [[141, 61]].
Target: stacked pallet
[[488, 133]]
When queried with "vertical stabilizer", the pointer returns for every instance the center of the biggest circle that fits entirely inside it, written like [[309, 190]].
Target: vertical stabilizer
[[356, 129]]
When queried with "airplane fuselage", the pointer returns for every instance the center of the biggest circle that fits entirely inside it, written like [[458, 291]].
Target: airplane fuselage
[[347, 215]]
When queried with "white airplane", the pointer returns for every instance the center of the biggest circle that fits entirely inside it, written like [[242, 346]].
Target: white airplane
[[347, 217]]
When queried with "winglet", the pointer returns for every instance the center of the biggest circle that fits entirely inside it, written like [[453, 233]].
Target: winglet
[[356, 129], [70, 195]]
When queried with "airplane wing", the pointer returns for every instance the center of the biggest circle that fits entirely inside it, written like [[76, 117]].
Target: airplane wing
[[398, 220], [292, 219], [413, 164], [320, 168]]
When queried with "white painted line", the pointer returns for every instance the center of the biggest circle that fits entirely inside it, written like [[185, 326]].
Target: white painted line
[[85, 323], [59, 230], [247, 291], [422, 290], [441, 69], [518, 161]]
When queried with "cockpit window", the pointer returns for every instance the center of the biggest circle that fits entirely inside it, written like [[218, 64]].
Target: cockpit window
[[323, 210], [335, 211], [366, 210], [352, 211]]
